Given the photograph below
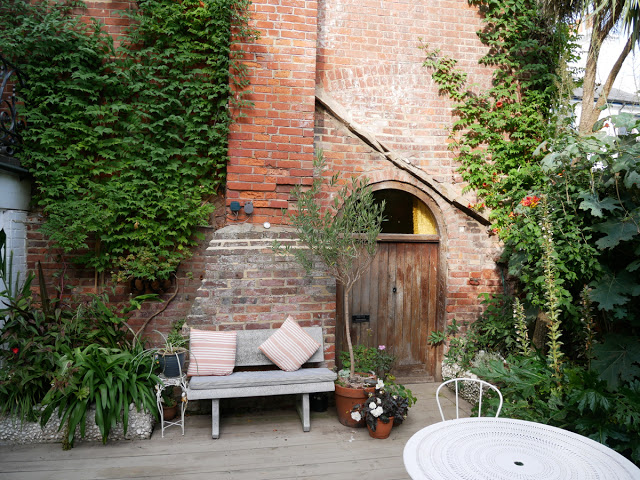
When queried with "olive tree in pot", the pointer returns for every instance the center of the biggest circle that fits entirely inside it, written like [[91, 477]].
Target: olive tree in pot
[[342, 237]]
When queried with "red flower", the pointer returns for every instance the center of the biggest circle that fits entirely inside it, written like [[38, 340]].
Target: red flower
[[484, 184], [530, 201], [499, 104], [15, 350]]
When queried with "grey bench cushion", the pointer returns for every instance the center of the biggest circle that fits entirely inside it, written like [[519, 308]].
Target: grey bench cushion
[[263, 378]]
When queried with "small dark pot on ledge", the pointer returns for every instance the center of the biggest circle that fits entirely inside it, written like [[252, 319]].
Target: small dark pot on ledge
[[319, 402]]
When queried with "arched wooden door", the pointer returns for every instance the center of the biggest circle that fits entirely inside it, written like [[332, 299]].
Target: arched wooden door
[[395, 304]]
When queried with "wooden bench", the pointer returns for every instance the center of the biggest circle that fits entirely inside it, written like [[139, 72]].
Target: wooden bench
[[309, 379]]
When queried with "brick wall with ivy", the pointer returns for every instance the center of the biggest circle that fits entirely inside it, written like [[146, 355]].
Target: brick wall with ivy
[[366, 56]]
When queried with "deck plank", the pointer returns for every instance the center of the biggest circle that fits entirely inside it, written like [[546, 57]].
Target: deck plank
[[267, 445]]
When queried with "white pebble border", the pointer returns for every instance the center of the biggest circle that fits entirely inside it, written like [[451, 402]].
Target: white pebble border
[[468, 391], [13, 432]]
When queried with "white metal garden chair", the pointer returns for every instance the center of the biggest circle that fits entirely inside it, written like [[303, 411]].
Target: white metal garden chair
[[481, 384]]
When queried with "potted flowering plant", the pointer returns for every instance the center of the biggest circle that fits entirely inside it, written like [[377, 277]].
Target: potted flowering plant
[[371, 364], [380, 410]]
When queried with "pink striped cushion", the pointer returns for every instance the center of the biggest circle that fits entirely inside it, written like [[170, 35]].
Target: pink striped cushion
[[211, 353], [290, 346]]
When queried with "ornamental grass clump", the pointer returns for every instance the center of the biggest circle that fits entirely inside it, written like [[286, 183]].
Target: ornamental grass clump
[[65, 357]]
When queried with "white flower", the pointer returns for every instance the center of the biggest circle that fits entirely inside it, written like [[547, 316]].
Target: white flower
[[598, 167], [356, 416], [379, 401], [379, 385], [372, 406], [377, 412]]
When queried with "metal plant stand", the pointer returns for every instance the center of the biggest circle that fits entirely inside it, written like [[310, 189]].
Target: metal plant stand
[[181, 382]]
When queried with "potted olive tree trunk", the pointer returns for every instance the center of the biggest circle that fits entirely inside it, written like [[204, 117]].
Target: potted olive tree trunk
[[342, 237]]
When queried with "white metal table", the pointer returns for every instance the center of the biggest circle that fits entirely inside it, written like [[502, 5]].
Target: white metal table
[[509, 449], [165, 382]]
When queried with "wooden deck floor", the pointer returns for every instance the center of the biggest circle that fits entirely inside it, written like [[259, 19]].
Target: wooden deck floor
[[263, 446]]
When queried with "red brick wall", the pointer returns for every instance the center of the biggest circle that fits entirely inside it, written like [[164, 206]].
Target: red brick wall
[[378, 74], [366, 56], [108, 12], [247, 286], [272, 147], [62, 274]]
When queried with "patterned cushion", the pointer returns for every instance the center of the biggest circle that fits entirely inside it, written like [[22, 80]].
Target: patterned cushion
[[290, 346], [211, 353]]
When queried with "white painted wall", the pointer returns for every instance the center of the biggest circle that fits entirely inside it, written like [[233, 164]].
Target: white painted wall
[[15, 195]]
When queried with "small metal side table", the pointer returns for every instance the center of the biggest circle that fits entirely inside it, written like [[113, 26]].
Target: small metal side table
[[181, 382]]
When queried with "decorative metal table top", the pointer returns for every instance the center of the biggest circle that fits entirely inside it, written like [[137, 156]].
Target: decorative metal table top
[[509, 449]]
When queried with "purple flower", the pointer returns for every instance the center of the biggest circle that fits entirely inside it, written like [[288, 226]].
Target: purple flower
[[381, 347]]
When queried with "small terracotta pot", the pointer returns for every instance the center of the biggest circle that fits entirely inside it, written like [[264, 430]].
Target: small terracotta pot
[[383, 430], [169, 413]]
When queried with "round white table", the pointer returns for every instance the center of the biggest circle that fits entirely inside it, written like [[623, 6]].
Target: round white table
[[508, 449]]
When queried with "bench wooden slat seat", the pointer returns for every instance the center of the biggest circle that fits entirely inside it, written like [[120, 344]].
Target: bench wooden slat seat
[[309, 379]]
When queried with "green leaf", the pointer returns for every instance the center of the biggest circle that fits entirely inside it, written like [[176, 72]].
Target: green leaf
[[614, 289], [593, 203], [616, 231], [617, 358]]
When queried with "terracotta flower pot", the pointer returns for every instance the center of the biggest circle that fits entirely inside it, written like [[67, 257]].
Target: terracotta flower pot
[[169, 413], [383, 430], [346, 399]]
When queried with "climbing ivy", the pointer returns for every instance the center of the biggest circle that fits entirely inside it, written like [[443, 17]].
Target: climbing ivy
[[127, 145], [497, 134], [498, 129]]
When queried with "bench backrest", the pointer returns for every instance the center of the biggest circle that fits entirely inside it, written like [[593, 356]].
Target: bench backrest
[[248, 341]]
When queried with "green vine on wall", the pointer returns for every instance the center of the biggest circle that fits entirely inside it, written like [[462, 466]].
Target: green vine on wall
[[498, 129], [128, 145]]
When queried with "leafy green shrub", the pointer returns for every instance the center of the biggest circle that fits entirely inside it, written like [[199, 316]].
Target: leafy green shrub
[[41, 332], [109, 378], [582, 403], [127, 146], [498, 128], [369, 359], [460, 348], [494, 329]]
